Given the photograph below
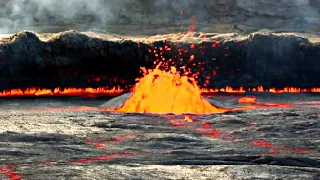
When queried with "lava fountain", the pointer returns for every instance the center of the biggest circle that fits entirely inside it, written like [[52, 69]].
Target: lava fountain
[[167, 92]]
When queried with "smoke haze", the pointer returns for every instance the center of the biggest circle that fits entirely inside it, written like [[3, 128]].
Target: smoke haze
[[51, 15], [17, 15]]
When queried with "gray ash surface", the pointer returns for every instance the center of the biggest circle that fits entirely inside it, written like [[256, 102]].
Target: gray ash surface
[[54, 138]]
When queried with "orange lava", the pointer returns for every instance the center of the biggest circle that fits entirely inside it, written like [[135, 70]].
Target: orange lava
[[58, 92], [105, 91], [315, 90], [229, 89], [167, 92], [188, 119], [247, 100]]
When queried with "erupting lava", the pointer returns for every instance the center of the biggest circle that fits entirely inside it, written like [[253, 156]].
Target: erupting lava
[[167, 92]]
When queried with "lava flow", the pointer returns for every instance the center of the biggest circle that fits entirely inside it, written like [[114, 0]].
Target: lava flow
[[103, 91], [167, 92], [247, 100], [242, 90]]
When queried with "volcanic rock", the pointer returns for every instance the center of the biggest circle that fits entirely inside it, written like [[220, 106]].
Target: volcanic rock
[[72, 58], [61, 139]]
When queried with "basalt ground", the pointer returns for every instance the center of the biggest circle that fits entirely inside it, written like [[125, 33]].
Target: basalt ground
[[75, 59], [72, 138]]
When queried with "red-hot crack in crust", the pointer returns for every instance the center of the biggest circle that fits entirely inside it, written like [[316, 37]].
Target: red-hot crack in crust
[[7, 169]]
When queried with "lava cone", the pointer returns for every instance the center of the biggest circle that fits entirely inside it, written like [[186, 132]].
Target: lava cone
[[167, 92]]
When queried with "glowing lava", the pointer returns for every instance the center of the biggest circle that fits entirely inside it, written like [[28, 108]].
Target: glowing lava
[[247, 100], [59, 92], [167, 92], [105, 91], [241, 90]]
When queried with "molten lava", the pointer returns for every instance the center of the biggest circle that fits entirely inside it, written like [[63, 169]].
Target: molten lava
[[59, 92], [167, 92], [241, 90], [105, 91], [247, 100]]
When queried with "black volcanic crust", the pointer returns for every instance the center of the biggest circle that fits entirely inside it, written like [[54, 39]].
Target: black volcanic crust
[[73, 59]]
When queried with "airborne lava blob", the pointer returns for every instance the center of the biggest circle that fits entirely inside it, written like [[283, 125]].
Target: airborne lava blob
[[167, 92]]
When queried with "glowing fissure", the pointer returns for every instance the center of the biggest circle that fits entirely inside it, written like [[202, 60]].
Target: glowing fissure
[[208, 130], [11, 174], [247, 100], [105, 91], [7, 171], [59, 92], [229, 89]]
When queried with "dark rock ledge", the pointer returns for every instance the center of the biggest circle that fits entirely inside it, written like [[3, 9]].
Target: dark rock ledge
[[77, 59]]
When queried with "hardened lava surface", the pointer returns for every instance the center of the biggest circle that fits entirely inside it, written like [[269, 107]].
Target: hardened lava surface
[[74, 138]]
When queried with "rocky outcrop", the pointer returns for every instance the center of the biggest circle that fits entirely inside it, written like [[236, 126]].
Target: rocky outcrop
[[268, 59], [66, 59], [77, 59]]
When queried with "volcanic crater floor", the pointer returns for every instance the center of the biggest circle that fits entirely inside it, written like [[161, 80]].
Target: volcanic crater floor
[[74, 138]]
